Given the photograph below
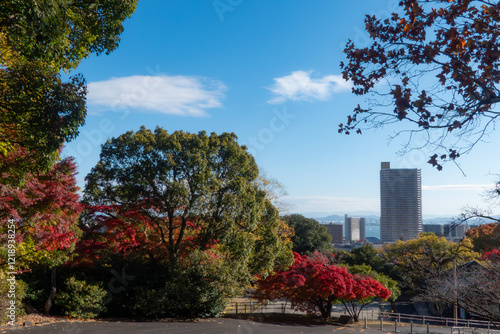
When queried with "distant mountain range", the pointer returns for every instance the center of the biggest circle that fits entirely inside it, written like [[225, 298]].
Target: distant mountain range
[[375, 220], [370, 219]]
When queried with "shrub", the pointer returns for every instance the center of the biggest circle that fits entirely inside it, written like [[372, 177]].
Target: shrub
[[81, 299], [195, 289], [6, 295]]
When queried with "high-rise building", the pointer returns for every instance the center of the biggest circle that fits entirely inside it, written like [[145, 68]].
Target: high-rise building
[[336, 231], [354, 228], [400, 203]]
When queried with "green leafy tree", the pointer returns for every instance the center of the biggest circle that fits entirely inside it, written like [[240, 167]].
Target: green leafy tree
[[38, 39], [80, 299], [38, 114], [427, 256], [368, 255], [309, 235], [60, 33], [168, 195]]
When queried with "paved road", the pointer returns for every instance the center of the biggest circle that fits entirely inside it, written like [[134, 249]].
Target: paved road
[[212, 326], [218, 326]]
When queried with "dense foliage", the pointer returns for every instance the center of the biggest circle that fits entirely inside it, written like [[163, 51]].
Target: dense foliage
[[309, 235], [485, 237], [81, 300], [45, 210], [39, 39], [60, 33], [426, 257]]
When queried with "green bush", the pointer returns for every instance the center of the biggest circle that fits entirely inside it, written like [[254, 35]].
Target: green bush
[[7, 295], [81, 299], [185, 297], [193, 290]]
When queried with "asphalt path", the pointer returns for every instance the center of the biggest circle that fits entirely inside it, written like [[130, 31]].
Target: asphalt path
[[210, 326]]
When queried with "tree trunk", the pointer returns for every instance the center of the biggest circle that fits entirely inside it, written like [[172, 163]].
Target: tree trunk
[[48, 302], [325, 310], [329, 310]]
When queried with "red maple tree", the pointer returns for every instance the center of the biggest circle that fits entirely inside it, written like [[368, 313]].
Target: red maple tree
[[45, 208], [125, 229], [312, 284]]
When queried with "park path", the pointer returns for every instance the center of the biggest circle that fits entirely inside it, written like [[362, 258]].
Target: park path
[[215, 326]]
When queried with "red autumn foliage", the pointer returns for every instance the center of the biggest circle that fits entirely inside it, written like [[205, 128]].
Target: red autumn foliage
[[493, 255], [45, 207], [123, 230], [313, 284]]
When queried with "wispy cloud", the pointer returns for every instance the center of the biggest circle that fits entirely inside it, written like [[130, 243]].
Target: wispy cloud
[[178, 95], [301, 86], [473, 187]]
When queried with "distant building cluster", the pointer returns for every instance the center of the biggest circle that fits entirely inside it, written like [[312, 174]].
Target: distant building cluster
[[354, 227], [400, 213], [450, 231]]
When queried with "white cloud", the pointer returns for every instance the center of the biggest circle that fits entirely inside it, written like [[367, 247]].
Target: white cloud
[[472, 187], [300, 86], [179, 95]]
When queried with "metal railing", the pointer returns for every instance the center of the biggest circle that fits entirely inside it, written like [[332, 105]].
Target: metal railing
[[246, 307], [461, 326]]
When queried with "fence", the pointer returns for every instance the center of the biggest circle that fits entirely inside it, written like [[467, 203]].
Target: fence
[[459, 323], [250, 306], [415, 323], [457, 326]]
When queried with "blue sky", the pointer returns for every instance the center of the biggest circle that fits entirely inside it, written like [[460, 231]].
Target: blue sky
[[269, 72]]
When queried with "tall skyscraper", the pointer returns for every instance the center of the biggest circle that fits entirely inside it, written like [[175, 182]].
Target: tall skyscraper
[[354, 228], [400, 203]]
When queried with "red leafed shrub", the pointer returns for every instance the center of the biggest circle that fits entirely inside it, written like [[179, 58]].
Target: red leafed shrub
[[313, 284], [494, 255]]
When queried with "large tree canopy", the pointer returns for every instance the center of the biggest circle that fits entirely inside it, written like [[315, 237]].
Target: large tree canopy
[[434, 65], [38, 39], [485, 237], [182, 190], [60, 32]]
